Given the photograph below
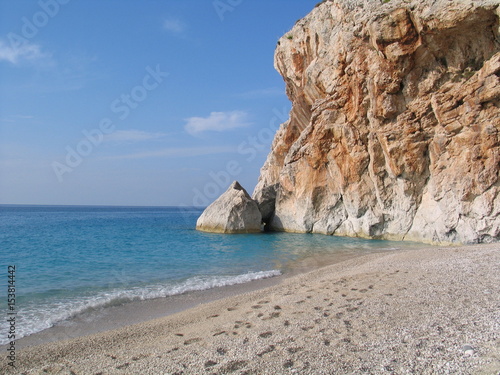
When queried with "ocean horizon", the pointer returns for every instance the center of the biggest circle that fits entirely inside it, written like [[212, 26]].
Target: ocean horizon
[[72, 260]]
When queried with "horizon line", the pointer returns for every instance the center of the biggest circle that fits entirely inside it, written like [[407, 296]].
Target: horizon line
[[96, 205]]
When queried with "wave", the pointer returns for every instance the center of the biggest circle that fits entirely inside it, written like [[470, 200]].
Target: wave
[[38, 317]]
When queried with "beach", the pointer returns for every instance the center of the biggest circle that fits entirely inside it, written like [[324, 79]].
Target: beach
[[418, 311]]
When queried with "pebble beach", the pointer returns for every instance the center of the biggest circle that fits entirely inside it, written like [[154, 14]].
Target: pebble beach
[[420, 311]]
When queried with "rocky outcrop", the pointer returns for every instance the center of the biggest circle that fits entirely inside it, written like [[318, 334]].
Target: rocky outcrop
[[233, 212], [395, 123]]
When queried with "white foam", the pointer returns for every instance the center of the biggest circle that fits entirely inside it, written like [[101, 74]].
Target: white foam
[[36, 318]]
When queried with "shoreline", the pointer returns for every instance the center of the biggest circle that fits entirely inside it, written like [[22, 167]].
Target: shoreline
[[418, 310], [108, 318], [136, 312]]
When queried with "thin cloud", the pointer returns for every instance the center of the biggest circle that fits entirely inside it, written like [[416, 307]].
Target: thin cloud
[[174, 25], [216, 121], [27, 52], [132, 136], [175, 152], [16, 118]]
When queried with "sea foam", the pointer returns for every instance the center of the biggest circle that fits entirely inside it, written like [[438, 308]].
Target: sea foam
[[36, 318]]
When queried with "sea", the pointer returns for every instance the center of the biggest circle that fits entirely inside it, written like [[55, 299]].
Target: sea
[[64, 261]]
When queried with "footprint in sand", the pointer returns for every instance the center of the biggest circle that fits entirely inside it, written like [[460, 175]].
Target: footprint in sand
[[232, 366], [272, 316], [269, 349], [210, 363], [266, 334], [192, 341], [221, 351]]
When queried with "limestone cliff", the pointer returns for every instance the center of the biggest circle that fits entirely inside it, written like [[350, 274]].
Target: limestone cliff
[[394, 127]]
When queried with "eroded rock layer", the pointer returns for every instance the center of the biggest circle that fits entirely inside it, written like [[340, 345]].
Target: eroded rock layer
[[394, 127]]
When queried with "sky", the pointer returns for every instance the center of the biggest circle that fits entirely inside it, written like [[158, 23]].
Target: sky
[[138, 103]]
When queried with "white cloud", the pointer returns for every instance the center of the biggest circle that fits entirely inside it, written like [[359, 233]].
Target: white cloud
[[176, 152], [174, 25], [217, 121], [25, 52], [132, 136]]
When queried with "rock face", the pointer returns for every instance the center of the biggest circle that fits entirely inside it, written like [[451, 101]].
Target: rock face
[[395, 123], [233, 212]]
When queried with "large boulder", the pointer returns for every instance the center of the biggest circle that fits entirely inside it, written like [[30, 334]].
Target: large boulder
[[233, 212]]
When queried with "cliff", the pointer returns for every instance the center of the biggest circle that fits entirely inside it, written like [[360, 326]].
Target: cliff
[[394, 127]]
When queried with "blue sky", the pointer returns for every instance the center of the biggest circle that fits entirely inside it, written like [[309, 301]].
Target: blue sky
[[152, 102]]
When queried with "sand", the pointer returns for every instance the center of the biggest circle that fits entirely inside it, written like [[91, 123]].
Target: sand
[[425, 311]]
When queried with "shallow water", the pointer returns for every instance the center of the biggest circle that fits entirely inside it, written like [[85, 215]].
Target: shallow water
[[73, 261]]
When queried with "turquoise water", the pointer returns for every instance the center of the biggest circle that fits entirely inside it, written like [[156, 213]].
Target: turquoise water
[[70, 260]]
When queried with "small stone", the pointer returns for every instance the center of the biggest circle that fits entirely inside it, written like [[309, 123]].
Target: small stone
[[468, 350]]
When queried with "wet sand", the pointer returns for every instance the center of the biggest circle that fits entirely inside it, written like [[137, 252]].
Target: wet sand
[[425, 311]]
